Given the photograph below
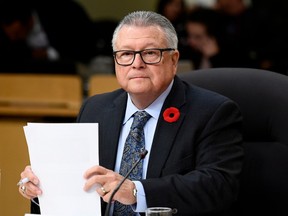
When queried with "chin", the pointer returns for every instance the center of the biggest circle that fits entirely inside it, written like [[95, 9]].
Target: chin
[[138, 89]]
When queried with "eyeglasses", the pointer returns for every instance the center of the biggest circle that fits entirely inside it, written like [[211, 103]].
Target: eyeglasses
[[148, 56]]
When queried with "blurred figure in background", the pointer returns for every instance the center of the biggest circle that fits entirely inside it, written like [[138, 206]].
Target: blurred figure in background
[[176, 12], [231, 7], [194, 4], [204, 38], [44, 36], [241, 31]]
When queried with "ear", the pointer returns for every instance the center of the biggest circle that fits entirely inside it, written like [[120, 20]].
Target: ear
[[175, 57]]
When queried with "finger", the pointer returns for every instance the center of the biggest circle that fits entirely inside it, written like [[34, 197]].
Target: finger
[[28, 173], [29, 190], [95, 170], [102, 191], [94, 182], [23, 192], [32, 189]]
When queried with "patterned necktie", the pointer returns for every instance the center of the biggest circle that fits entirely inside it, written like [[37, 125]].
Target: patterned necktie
[[135, 143]]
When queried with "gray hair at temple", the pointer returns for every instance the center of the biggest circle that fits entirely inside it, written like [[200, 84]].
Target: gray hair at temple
[[146, 19]]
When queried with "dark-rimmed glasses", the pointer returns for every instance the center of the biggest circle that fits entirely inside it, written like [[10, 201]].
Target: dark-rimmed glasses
[[148, 56]]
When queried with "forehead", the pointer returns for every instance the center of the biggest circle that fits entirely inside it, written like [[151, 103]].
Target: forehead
[[135, 36]]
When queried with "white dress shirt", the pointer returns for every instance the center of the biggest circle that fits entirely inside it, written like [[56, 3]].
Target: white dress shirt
[[149, 129]]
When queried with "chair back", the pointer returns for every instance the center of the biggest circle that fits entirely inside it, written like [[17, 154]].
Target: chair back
[[263, 101]]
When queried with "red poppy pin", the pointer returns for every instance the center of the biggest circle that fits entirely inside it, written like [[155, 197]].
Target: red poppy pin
[[171, 114]]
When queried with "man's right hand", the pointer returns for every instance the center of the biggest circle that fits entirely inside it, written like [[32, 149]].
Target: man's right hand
[[30, 189]]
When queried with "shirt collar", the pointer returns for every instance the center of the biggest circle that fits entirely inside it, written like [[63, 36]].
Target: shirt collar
[[153, 109]]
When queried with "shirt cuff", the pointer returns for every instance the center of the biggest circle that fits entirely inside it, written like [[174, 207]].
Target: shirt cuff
[[141, 204]]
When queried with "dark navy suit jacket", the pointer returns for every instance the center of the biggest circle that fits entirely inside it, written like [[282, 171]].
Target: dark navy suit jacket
[[195, 162]]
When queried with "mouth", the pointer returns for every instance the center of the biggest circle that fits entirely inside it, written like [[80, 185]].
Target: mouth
[[138, 77]]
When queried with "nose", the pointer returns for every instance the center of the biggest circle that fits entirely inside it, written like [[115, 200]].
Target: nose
[[138, 62]]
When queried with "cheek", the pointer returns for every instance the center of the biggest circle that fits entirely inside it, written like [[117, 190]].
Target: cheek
[[162, 78], [121, 76]]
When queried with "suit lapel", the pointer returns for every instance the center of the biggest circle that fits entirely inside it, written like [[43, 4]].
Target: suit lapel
[[164, 135], [111, 131], [166, 132]]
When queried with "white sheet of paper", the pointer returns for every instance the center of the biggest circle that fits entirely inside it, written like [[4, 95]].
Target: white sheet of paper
[[60, 153]]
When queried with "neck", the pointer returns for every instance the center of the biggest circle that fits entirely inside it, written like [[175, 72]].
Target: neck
[[141, 101]]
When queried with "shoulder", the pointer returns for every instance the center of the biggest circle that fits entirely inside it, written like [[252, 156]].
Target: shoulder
[[98, 104], [198, 94], [203, 100]]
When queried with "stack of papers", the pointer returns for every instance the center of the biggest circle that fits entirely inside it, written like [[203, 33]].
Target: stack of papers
[[60, 154]]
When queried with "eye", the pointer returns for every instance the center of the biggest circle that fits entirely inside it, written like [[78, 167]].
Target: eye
[[125, 54], [150, 52]]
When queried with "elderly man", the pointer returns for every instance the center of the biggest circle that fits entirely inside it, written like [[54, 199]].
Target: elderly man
[[192, 135]]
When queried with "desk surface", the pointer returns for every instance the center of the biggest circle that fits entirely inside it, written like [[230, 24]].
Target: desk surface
[[38, 112], [38, 108]]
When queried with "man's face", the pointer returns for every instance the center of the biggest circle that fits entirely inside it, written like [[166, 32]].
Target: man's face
[[140, 79]]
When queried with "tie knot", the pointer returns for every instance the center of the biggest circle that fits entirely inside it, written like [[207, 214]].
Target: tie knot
[[140, 119]]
